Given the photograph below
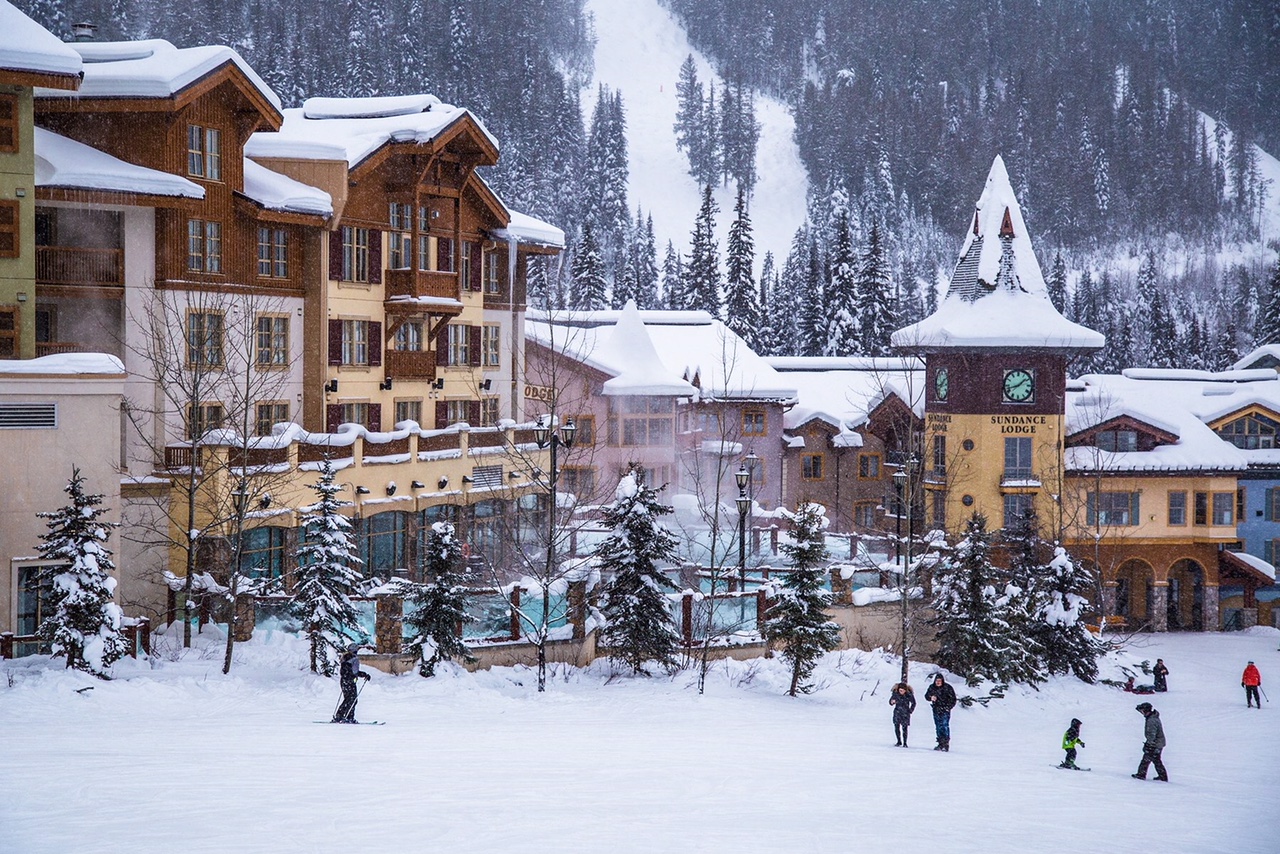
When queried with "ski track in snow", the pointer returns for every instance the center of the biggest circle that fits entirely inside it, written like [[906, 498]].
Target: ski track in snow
[[482, 763], [639, 51]]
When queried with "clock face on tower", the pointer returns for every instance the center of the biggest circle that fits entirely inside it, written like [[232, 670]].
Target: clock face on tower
[[1019, 385], [941, 384]]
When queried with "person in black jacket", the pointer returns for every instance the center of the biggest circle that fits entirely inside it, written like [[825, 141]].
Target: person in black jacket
[[347, 675], [903, 700], [1160, 672], [943, 698], [1152, 744]]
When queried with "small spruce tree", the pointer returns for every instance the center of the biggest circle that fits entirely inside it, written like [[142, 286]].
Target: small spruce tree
[[438, 607], [327, 575], [1020, 601], [1069, 647], [83, 623], [638, 626], [797, 621]]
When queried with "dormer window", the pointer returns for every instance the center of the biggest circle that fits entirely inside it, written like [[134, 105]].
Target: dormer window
[[204, 152], [1250, 433], [1118, 440]]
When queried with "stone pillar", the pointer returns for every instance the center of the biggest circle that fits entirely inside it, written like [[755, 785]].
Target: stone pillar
[[841, 587], [244, 617], [1160, 607], [1210, 611], [389, 624], [578, 609], [1248, 618]]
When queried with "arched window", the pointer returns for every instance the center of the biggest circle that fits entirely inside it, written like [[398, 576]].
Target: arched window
[[384, 548]]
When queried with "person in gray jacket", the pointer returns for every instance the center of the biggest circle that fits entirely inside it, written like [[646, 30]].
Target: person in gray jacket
[[1152, 745]]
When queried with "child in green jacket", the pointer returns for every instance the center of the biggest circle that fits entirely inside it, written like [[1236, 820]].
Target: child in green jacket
[[1070, 740]]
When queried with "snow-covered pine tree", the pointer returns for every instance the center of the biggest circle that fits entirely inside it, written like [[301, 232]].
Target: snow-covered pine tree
[[638, 625], [645, 259], [328, 572], [703, 272], [439, 606], [741, 309], [1022, 598], [797, 622], [875, 296], [811, 334], [1057, 283], [624, 277], [1068, 646], [675, 295], [972, 634], [83, 622], [690, 127], [1267, 327], [843, 332], [590, 290]]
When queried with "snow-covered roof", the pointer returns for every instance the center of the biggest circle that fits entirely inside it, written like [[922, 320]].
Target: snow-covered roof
[[152, 68], [526, 229], [281, 193], [997, 298], [65, 363], [1268, 355], [1178, 404], [1256, 563], [358, 127], [63, 162], [27, 46], [843, 391], [695, 355]]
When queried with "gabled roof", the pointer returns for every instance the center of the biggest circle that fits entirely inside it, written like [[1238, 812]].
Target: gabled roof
[[67, 164], [156, 69], [997, 299], [693, 354], [360, 127], [844, 391], [1266, 356], [28, 48]]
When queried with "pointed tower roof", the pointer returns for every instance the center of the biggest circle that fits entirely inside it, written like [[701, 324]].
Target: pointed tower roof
[[997, 299], [642, 371]]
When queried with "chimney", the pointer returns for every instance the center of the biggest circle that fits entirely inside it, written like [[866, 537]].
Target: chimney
[[83, 31]]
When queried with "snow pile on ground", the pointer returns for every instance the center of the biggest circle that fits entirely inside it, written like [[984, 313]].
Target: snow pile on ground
[[481, 762], [639, 49]]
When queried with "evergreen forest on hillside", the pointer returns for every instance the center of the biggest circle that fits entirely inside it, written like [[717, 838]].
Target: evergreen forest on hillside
[[1111, 115]]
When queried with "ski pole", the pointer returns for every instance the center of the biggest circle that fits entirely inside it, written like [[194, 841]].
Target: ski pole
[[1264, 694]]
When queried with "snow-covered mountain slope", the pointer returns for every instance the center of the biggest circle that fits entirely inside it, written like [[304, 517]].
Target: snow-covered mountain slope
[[639, 49]]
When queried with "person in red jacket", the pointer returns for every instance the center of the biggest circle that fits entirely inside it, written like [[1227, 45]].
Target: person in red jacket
[[1250, 681]]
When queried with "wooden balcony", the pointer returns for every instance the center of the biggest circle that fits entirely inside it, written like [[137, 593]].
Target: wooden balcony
[[410, 364], [59, 265], [54, 348], [420, 284]]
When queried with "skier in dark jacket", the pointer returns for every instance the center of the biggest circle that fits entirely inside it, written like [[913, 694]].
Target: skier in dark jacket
[[347, 675], [943, 698], [903, 700], [1160, 672], [1152, 744]]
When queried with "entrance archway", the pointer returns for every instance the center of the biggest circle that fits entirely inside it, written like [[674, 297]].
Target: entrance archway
[[1185, 604], [1134, 579]]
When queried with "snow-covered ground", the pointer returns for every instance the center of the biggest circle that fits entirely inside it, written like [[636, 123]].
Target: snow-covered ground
[[176, 754], [639, 49]]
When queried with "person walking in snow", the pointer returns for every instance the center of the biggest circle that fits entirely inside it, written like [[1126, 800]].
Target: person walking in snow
[[903, 700], [943, 698], [1152, 744], [1160, 672], [1070, 741], [347, 675], [1251, 680]]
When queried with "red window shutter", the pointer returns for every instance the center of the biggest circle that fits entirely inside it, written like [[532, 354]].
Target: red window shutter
[[335, 254], [335, 342], [473, 413], [473, 345], [473, 252], [442, 346], [375, 256], [442, 415], [375, 344], [332, 417], [375, 417]]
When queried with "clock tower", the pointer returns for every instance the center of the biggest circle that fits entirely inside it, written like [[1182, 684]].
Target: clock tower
[[996, 354]]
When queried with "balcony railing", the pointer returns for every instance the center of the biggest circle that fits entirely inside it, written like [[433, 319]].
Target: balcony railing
[[59, 265], [422, 283], [410, 364], [54, 348]]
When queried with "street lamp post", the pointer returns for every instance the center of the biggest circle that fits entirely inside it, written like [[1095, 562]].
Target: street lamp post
[[903, 480], [545, 436], [743, 477]]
